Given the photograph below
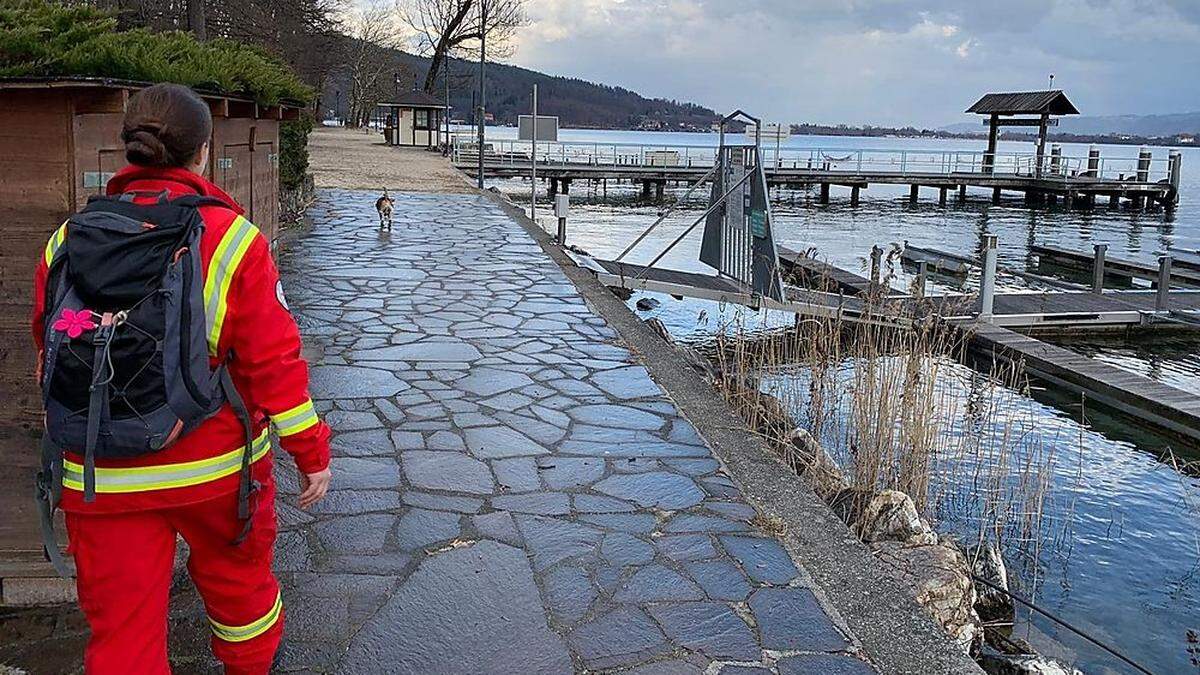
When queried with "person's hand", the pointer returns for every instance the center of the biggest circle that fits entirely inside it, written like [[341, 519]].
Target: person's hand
[[313, 487]]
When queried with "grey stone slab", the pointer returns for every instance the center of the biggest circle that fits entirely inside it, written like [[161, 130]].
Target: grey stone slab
[[569, 593], [518, 474], [620, 416], [621, 637], [657, 449], [826, 664], [657, 489], [354, 473], [541, 503], [552, 540], [501, 441], [428, 350], [627, 383], [452, 471], [672, 667], [420, 528], [436, 502], [792, 619], [335, 382], [357, 501], [764, 560], [492, 381], [711, 628], [693, 467], [685, 547], [638, 523], [720, 579], [749, 670], [695, 522], [601, 504], [733, 510], [344, 421], [446, 440], [430, 625], [621, 548], [564, 473], [407, 440], [655, 583], [354, 534], [497, 525]]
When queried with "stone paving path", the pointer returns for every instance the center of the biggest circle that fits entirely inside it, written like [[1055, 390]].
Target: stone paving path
[[512, 493]]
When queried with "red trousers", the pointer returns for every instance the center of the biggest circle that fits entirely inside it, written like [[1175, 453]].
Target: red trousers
[[125, 562]]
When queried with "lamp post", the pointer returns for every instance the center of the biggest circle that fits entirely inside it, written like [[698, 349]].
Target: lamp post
[[482, 60]]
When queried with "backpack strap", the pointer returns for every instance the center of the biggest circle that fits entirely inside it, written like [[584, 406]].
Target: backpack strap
[[48, 493], [246, 487], [102, 374]]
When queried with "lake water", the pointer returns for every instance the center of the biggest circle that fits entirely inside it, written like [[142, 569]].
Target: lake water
[[1121, 556]]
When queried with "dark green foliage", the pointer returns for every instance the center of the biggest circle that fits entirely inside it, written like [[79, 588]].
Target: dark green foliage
[[293, 151], [43, 38]]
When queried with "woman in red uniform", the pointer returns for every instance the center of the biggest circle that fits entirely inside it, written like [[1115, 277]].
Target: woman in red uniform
[[123, 541]]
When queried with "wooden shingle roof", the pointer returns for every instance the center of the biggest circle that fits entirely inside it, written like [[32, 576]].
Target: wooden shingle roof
[[1052, 102]]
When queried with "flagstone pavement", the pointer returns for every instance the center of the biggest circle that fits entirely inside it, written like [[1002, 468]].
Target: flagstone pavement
[[512, 492]]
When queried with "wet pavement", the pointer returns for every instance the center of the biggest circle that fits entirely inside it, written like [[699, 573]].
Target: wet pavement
[[512, 492]]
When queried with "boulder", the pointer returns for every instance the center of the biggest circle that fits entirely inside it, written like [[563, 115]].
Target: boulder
[[987, 564], [939, 578], [647, 304], [892, 516], [1024, 664], [810, 459]]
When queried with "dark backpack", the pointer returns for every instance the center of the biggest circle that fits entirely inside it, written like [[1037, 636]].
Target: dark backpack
[[125, 370]]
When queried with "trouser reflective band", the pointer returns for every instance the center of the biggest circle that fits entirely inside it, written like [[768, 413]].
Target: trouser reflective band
[[250, 630], [160, 477], [295, 420]]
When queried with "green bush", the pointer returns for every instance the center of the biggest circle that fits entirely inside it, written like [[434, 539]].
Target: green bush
[[293, 151], [43, 38]]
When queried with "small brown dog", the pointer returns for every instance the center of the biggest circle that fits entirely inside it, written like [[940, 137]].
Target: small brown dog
[[384, 206]]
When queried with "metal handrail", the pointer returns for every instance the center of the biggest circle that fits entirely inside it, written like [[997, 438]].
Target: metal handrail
[[830, 159]]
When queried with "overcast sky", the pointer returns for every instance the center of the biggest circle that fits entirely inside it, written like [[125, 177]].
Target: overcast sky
[[874, 61]]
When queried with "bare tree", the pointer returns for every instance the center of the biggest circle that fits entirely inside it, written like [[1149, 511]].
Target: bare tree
[[373, 35], [445, 28]]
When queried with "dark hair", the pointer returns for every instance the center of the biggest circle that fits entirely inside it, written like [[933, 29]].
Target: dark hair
[[165, 125]]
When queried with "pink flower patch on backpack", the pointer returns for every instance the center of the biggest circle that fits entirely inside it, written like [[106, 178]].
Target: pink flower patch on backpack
[[74, 323]]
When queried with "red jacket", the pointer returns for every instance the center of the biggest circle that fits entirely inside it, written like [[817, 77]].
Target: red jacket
[[267, 368]]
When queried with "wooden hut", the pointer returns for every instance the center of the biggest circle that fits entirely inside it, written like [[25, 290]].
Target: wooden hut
[[59, 143], [1003, 108], [414, 119]]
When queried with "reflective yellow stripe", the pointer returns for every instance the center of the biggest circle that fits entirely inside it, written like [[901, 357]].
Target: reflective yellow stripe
[[295, 420], [250, 630], [162, 476], [230, 251], [56, 241]]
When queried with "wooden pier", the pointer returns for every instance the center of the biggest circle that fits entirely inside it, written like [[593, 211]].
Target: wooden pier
[[1077, 182], [1164, 406], [1182, 273]]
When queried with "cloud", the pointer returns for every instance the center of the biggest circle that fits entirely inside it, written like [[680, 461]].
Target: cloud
[[873, 61]]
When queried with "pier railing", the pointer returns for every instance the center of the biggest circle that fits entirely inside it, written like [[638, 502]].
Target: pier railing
[[849, 161]]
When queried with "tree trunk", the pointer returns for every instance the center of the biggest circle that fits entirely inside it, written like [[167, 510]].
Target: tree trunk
[[195, 17], [445, 41]]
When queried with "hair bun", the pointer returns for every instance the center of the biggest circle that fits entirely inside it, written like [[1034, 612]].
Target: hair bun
[[144, 147]]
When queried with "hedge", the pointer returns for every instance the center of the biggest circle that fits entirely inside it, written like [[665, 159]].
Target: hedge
[[39, 38]]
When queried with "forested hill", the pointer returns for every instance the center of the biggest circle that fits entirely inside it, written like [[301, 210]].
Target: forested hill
[[577, 103]]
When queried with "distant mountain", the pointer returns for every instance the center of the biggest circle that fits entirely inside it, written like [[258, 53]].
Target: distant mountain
[[577, 103], [1147, 126]]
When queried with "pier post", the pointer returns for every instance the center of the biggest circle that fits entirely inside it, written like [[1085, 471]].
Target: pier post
[[553, 187], [876, 265], [912, 193], [1114, 201], [962, 192], [942, 196], [1164, 283], [1051, 198], [995, 195], [566, 186], [645, 189], [1055, 159], [824, 193], [659, 186], [1093, 170], [922, 278], [1143, 165], [1174, 174], [989, 157], [854, 190], [987, 285], [1069, 199], [1099, 252]]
